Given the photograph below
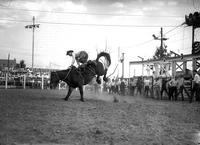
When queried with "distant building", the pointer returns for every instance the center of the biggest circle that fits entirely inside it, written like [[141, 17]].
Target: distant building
[[5, 64]]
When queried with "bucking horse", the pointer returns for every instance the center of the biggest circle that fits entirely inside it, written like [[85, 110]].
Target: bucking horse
[[78, 77]]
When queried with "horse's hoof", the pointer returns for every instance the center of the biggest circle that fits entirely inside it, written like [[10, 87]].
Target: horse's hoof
[[98, 81], [82, 100], [105, 79], [66, 99]]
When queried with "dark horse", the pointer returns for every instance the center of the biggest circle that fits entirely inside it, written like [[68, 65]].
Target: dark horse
[[78, 77]]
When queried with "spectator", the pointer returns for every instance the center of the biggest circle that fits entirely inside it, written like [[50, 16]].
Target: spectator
[[113, 86], [188, 83], [147, 87], [196, 86], [139, 85], [132, 86], [122, 87], [173, 89], [117, 86], [180, 86], [164, 87], [157, 87]]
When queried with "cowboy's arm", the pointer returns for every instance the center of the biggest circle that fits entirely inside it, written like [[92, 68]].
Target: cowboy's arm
[[73, 59], [78, 63]]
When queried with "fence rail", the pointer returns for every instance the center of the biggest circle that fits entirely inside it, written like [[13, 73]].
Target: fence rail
[[24, 81]]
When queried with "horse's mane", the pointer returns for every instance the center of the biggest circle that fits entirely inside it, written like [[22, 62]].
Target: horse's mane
[[104, 54]]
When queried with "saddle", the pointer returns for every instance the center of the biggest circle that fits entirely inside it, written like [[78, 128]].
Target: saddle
[[78, 69]]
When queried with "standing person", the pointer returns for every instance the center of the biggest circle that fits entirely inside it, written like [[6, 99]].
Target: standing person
[[180, 86], [187, 76], [132, 86], [139, 85], [146, 87], [196, 86], [113, 89], [173, 89], [80, 57], [164, 87], [109, 86], [117, 86], [122, 87], [157, 87]]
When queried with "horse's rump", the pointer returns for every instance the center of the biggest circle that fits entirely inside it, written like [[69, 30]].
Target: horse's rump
[[100, 69]]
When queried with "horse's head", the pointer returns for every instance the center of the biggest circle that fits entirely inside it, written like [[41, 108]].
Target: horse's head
[[54, 80], [106, 56]]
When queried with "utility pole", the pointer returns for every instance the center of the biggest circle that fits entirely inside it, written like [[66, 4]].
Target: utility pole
[[161, 38], [33, 26], [8, 61], [122, 61], [193, 30], [118, 60], [194, 61]]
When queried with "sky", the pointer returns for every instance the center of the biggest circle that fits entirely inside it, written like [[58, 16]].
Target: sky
[[117, 26]]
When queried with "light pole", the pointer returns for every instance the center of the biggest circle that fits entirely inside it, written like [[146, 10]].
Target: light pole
[[142, 64], [33, 26]]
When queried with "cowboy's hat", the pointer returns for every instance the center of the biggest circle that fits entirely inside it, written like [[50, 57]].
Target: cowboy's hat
[[69, 51]]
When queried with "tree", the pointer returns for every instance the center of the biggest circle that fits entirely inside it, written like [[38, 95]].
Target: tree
[[161, 52], [22, 64]]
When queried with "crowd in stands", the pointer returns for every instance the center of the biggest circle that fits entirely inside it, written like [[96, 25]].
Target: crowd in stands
[[183, 86]]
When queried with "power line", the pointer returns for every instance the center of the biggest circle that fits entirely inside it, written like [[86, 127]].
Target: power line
[[185, 38], [140, 44], [173, 28], [195, 4], [177, 33], [87, 13], [86, 24], [143, 43]]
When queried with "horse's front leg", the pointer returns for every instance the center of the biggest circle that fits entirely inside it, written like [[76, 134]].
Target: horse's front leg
[[104, 77], [98, 80], [69, 93], [81, 93]]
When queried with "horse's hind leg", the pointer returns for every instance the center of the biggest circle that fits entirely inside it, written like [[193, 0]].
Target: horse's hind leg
[[81, 93], [69, 93]]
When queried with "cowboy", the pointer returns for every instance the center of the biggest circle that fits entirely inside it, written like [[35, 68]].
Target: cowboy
[[81, 57]]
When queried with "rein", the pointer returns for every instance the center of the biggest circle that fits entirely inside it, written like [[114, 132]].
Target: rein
[[114, 70]]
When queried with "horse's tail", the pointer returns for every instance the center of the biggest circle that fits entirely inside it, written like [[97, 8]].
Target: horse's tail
[[106, 55]]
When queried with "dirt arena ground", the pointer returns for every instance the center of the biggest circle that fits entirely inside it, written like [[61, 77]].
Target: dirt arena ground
[[42, 117]]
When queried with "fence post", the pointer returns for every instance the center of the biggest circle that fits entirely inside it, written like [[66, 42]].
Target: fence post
[[59, 86], [6, 82], [24, 81], [42, 82], [152, 89]]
